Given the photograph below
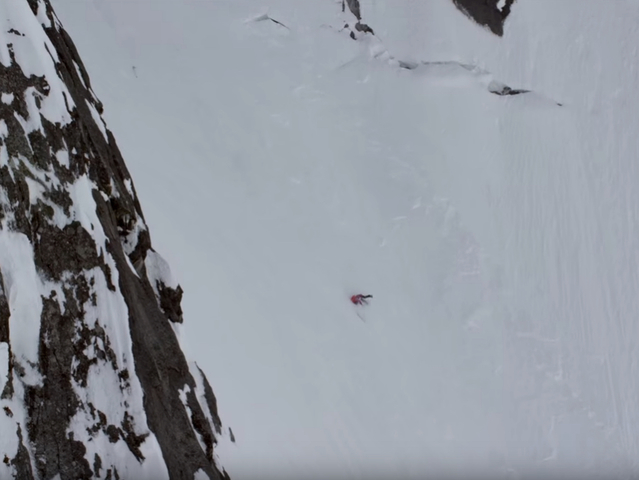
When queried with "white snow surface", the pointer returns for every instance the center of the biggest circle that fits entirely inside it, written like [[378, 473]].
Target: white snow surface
[[22, 287], [201, 475], [282, 170]]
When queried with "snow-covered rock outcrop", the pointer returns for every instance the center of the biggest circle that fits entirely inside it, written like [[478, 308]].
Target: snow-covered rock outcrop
[[488, 13], [93, 382]]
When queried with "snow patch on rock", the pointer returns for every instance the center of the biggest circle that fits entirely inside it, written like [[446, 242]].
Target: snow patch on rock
[[22, 286]]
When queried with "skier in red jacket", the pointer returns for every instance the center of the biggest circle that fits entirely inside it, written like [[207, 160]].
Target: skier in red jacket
[[360, 299]]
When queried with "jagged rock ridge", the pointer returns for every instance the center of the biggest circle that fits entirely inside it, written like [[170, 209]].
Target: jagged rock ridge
[[93, 382]]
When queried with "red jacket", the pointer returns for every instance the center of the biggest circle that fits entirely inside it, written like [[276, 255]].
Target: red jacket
[[358, 299]]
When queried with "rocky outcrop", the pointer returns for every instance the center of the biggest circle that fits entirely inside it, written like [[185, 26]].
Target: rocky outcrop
[[93, 383], [358, 27], [488, 13]]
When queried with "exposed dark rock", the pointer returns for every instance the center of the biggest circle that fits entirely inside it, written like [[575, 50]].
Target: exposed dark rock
[[486, 13], [132, 439], [362, 27], [60, 251], [112, 474], [21, 461], [231, 435], [506, 90], [97, 465], [170, 302], [52, 405], [113, 433], [354, 7]]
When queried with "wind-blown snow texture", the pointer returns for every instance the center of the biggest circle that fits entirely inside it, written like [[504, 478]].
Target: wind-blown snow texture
[[285, 166], [93, 383]]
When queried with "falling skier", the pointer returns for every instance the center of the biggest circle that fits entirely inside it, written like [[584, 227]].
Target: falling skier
[[360, 299]]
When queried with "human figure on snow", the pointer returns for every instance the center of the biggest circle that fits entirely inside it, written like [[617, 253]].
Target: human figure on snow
[[360, 299]]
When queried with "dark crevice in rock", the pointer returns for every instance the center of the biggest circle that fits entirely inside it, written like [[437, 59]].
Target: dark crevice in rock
[[278, 22], [486, 13], [408, 65]]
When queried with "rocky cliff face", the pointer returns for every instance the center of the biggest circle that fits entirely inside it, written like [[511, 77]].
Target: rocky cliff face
[[93, 382]]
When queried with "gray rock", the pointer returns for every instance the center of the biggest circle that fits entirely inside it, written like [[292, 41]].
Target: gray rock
[[486, 13]]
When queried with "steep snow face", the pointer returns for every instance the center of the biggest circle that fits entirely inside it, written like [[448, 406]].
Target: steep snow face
[[90, 368], [573, 208], [288, 167]]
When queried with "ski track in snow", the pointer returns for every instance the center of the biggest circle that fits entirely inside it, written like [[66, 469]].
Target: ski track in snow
[[498, 234]]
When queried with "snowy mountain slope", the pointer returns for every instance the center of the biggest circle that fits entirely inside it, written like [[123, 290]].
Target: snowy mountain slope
[[286, 167], [93, 383]]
